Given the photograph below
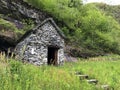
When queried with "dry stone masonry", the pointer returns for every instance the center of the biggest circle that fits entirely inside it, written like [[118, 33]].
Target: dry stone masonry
[[42, 45]]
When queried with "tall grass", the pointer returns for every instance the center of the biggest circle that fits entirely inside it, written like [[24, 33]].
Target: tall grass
[[105, 69], [15, 75]]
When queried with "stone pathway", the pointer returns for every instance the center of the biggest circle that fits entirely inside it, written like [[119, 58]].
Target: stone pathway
[[93, 81]]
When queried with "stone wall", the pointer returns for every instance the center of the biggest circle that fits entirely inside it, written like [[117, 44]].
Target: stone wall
[[34, 47]]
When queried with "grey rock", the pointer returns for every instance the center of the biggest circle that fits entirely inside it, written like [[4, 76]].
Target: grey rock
[[21, 9], [82, 77], [105, 87], [92, 81]]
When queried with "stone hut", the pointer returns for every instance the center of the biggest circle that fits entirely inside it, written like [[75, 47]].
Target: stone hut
[[42, 45]]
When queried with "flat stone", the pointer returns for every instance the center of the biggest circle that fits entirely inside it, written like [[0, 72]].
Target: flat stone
[[82, 76], [105, 87], [94, 81], [78, 73]]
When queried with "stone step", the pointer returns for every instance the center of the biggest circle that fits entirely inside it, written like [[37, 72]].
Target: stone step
[[105, 87], [78, 73], [82, 77], [92, 81]]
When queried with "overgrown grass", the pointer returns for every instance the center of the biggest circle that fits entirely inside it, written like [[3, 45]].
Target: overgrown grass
[[105, 69], [15, 75]]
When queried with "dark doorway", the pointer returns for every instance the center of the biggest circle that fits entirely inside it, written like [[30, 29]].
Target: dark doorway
[[52, 55]]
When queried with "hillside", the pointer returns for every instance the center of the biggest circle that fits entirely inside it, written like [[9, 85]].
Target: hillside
[[110, 10], [87, 35]]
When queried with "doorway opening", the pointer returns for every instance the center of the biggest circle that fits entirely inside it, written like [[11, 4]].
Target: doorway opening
[[52, 55]]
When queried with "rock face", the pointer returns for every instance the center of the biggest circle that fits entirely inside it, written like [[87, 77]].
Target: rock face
[[15, 11], [20, 9], [43, 45]]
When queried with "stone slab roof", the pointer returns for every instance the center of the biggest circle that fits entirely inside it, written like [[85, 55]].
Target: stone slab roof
[[36, 28], [54, 24]]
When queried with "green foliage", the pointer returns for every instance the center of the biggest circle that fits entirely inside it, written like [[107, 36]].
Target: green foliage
[[110, 10], [85, 25], [28, 24], [59, 10], [95, 31]]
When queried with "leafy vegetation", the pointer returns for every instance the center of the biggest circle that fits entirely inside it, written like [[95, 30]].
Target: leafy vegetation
[[15, 75], [110, 10], [85, 25]]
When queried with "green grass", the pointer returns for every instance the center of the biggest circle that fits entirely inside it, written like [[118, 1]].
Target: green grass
[[105, 69], [15, 75]]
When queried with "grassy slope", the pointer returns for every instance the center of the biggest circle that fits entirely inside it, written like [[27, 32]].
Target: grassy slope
[[10, 32], [7, 25], [80, 23], [17, 76], [110, 10], [8, 29]]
